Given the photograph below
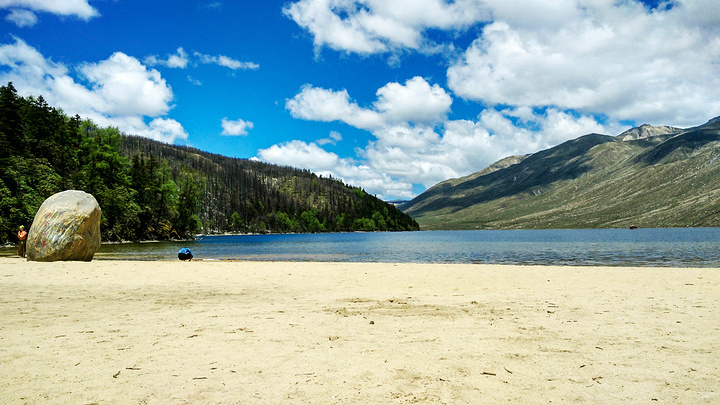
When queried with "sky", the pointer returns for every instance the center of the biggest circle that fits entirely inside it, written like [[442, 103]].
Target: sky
[[390, 95]]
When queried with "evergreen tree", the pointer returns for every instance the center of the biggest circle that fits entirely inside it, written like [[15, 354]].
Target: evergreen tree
[[105, 176], [188, 222]]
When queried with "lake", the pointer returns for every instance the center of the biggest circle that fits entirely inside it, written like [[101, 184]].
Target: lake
[[676, 247]]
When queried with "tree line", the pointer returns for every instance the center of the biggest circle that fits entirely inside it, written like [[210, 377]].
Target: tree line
[[148, 190]]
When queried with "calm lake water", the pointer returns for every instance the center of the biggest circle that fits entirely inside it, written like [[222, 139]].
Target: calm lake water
[[677, 247], [680, 247]]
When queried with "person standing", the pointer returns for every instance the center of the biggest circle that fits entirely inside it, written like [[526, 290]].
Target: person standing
[[22, 239]]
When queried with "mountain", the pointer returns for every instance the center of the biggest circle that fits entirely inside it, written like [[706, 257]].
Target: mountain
[[647, 177]]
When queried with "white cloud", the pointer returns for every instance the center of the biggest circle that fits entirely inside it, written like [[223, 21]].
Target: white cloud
[[406, 137], [23, 58], [621, 59], [237, 127], [77, 8], [612, 58], [120, 91], [547, 15], [332, 139], [235, 64], [377, 26], [127, 87], [22, 17], [300, 154], [414, 102], [414, 143], [226, 61], [318, 104], [180, 59], [163, 129], [177, 60]]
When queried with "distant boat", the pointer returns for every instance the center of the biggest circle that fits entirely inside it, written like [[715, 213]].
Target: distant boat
[[633, 227]]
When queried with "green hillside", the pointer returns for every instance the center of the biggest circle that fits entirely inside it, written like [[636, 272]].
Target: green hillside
[[242, 195], [665, 177]]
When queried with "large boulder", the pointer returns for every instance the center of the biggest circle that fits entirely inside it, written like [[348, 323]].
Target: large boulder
[[66, 227]]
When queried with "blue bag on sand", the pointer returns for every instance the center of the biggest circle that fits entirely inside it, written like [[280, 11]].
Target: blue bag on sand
[[185, 254]]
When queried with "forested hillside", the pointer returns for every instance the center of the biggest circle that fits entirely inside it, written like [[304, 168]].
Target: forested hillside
[[242, 195], [149, 190]]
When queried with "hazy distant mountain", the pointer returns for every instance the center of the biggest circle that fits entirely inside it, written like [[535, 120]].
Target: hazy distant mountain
[[647, 176]]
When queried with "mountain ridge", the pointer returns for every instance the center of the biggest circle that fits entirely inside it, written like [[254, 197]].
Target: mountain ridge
[[592, 181]]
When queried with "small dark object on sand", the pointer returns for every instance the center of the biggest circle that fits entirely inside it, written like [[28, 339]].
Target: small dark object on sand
[[185, 254]]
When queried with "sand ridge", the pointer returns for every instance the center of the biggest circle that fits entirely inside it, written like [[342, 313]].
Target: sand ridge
[[157, 332]]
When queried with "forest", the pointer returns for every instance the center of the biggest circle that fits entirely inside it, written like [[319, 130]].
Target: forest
[[149, 190]]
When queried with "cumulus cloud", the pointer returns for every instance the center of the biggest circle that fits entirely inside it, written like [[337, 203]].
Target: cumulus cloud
[[77, 8], [316, 104], [615, 58], [126, 87], [235, 128], [415, 102], [300, 154], [377, 26], [120, 90]]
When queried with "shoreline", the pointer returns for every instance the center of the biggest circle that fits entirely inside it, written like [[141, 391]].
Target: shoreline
[[111, 331]]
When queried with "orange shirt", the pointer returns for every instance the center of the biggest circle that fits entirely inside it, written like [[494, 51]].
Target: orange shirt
[[22, 234]]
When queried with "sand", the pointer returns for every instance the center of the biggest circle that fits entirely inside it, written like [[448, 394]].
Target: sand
[[123, 332]]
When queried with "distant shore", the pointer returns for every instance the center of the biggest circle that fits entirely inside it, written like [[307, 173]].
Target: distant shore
[[126, 332]]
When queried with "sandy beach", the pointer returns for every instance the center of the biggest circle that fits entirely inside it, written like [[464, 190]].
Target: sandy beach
[[201, 332]]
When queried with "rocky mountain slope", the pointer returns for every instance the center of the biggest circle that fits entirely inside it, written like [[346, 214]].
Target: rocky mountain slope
[[647, 177]]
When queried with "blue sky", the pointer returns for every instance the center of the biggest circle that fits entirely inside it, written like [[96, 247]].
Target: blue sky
[[390, 95]]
